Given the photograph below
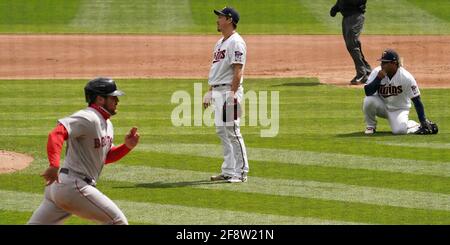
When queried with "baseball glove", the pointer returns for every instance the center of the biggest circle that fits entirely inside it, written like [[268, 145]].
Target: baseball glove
[[427, 127], [231, 110]]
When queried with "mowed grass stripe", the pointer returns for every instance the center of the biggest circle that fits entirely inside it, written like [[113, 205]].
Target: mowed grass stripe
[[406, 18], [297, 188], [185, 194], [430, 145], [310, 158], [369, 178], [167, 214], [92, 15], [138, 16]]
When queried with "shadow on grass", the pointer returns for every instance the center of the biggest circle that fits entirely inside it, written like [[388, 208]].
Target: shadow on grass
[[362, 135], [299, 84], [160, 184]]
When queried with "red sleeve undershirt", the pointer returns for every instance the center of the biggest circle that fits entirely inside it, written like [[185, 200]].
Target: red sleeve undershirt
[[116, 153], [56, 140], [55, 143]]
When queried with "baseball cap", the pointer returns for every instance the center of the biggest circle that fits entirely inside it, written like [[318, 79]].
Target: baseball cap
[[230, 12], [389, 55]]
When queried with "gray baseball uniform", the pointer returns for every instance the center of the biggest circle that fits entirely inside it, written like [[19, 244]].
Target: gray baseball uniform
[[90, 138]]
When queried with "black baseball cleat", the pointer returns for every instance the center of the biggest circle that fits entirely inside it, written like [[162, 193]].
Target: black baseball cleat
[[358, 81], [220, 177]]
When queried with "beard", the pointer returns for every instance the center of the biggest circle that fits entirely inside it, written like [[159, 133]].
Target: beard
[[110, 111]]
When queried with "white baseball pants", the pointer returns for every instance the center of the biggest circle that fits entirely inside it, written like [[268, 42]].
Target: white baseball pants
[[74, 196], [235, 155], [398, 119]]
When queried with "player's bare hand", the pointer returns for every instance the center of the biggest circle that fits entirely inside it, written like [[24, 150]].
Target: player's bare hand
[[381, 74], [50, 175], [132, 138], [207, 99]]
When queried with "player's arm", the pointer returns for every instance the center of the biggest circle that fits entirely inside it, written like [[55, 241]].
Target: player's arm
[[419, 109], [55, 143], [372, 86], [117, 153], [237, 76]]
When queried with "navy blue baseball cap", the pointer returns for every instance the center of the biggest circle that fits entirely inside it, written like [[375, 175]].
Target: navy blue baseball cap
[[229, 12], [389, 55]]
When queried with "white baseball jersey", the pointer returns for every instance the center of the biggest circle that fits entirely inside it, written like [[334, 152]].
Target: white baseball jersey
[[90, 139], [231, 51], [397, 92]]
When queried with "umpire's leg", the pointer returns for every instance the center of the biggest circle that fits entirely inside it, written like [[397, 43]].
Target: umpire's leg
[[351, 29]]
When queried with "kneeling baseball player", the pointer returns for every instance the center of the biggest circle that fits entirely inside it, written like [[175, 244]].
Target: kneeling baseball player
[[389, 92], [89, 135]]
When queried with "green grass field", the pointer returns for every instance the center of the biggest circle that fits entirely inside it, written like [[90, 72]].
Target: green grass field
[[320, 169], [195, 16]]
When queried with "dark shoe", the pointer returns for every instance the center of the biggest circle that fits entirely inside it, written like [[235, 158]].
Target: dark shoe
[[220, 177], [357, 81]]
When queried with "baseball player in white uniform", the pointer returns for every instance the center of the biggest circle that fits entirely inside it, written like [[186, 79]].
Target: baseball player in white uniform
[[226, 93], [89, 135], [389, 91]]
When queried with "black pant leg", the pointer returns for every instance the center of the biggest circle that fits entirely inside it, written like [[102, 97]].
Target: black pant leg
[[351, 29]]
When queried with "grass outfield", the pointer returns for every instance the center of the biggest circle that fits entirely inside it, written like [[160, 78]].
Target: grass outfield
[[196, 17], [319, 169]]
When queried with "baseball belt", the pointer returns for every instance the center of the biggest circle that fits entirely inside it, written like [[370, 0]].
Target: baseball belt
[[221, 85], [88, 180]]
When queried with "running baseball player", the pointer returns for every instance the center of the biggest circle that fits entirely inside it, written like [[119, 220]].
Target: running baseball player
[[389, 91], [226, 93], [89, 135]]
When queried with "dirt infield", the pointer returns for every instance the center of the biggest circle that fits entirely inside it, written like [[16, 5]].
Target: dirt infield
[[140, 56], [12, 161]]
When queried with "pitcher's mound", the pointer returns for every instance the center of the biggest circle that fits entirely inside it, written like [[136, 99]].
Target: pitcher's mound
[[12, 161]]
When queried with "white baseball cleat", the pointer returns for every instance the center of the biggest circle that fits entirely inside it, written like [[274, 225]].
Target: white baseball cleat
[[370, 130], [236, 179]]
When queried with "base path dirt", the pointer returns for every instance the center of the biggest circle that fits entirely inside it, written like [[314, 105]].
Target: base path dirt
[[142, 56], [12, 161]]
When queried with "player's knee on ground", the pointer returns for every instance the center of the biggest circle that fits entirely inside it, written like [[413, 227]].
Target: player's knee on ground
[[400, 129]]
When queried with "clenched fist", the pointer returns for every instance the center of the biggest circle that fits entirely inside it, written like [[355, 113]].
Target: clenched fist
[[50, 175], [132, 138]]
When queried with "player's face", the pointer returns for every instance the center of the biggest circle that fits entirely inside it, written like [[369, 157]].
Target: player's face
[[388, 67], [221, 22], [111, 104]]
